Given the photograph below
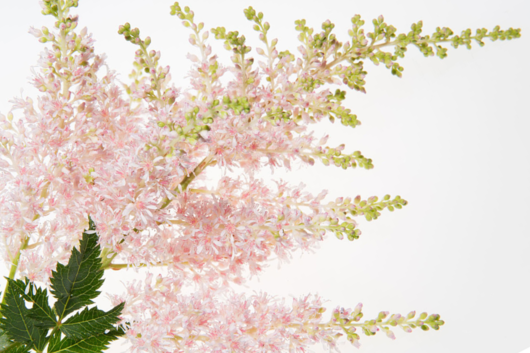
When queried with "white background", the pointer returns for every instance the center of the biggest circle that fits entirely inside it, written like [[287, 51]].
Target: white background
[[451, 137]]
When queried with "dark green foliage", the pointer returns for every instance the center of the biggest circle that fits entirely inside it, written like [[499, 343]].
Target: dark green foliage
[[92, 344], [74, 286], [17, 322], [41, 311], [91, 320]]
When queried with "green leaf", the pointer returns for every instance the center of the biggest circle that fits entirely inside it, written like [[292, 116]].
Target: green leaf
[[92, 344], [41, 311], [91, 322], [76, 284], [17, 322]]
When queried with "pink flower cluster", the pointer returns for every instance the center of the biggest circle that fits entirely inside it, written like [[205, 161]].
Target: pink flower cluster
[[220, 321], [136, 165]]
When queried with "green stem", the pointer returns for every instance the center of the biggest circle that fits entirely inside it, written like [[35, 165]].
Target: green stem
[[61, 13], [106, 262], [187, 180], [117, 267], [14, 267]]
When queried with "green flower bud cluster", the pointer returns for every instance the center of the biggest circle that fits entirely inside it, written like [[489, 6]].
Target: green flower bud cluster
[[194, 124], [381, 30], [345, 116], [260, 26], [277, 114], [344, 208], [77, 46], [349, 321], [60, 10], [288, 54], [353, 76], [251, 15], [369, 45], [305, 32], [186, 16], [237, 104], [426, 44], [233, 41], [47, 36], [325, 38], [346, 321], [466, 37], [130, 35], [338, 96], [309, 84], [147, 62], [53, 7], [271, 53], [197, 39], [346, 227], [320, 41], [323, 223], [236, 44], [335, 156], [371, 208], [336, 111]]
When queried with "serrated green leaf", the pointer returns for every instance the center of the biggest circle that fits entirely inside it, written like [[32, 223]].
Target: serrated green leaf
[[41, 312], [76, 284], [92, 344], [91, 322], [17, 323]]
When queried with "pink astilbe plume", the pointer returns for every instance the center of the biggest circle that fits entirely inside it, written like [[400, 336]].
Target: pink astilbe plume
[[134, 164], [66, 156], [138, 159]]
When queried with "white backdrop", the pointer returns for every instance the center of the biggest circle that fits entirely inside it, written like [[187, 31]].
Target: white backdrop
[[451, 137]]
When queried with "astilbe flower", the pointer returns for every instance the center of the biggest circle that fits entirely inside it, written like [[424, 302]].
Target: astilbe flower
[[134, 165]]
